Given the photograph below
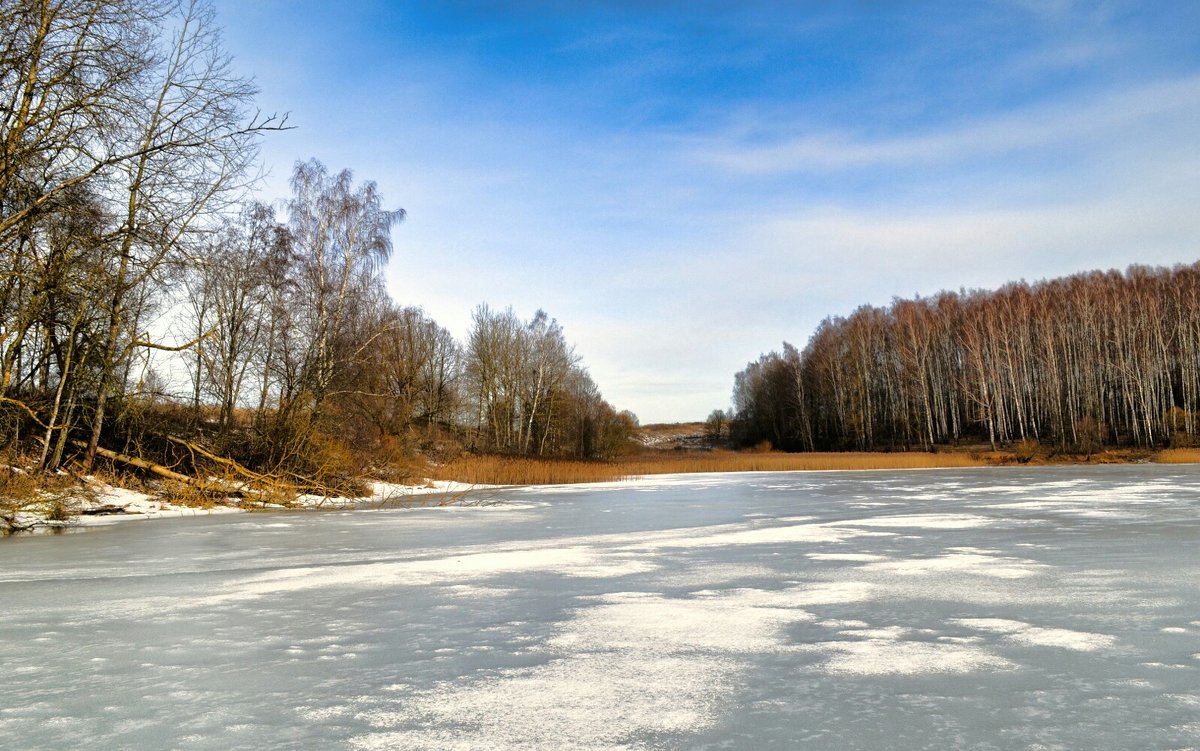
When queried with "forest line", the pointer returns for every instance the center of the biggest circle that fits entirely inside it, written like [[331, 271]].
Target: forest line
[[1092, 360]]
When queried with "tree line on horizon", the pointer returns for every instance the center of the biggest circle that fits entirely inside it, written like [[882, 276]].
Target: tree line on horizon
[[134, 257], [1077, 363]]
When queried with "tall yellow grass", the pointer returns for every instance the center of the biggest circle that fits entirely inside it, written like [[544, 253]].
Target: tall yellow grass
[[1178, 456], [496, 470], [505, 470]]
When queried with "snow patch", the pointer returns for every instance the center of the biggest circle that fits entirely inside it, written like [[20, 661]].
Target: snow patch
[[860, 557], [712, 575], [133, 505], [704, 537], [595, 701], [632, 663], [831, 593], [744, 620], [1024, 633], [924, 521], [841, 624], [969, 563], [567, 561], [1191, 700], [473, 592], [886, 633], [891, 656]]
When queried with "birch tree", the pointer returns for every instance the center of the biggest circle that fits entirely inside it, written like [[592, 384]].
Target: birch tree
[[1093, 359]]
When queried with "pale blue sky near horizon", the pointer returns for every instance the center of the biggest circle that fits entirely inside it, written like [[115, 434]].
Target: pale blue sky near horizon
[[685, 185]]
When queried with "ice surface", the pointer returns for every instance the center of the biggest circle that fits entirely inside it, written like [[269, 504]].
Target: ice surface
[[792, 533], [925, 521], [1002, 609]]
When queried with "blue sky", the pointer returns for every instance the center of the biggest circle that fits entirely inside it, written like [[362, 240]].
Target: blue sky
[[685, 185]]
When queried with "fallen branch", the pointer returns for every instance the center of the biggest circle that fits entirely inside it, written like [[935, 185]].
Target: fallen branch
[[273, 484], [240, 469], [107, 509], [30, 412], [299, 483], [312, 487], [203, 486]]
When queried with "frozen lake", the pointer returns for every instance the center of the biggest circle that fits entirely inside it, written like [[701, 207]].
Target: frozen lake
[[1049, 608]]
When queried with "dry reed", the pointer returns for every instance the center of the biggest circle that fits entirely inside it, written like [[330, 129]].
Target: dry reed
[[506, 470], [1178, 456], [498, 470]]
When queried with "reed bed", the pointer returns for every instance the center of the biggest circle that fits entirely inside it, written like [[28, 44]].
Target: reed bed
[[500, 470], [1178, 456], [506, 470]]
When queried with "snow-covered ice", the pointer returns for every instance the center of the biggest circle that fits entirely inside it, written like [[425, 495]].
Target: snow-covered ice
[[1004, 609]]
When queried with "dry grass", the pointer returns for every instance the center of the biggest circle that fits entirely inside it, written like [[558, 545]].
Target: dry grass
[[180, 494], [55, 497], [498, 470], [505, 470], [1178, 456]]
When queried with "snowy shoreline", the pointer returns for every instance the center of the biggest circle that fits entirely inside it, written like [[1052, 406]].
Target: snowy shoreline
[[108, 504]]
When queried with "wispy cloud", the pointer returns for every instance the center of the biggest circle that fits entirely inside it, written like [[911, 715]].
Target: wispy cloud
[[1044, 126], [1073, 55]]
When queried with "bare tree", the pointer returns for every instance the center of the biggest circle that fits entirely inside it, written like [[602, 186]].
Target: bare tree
[[234, 275], [341, 236], [191, 139]]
